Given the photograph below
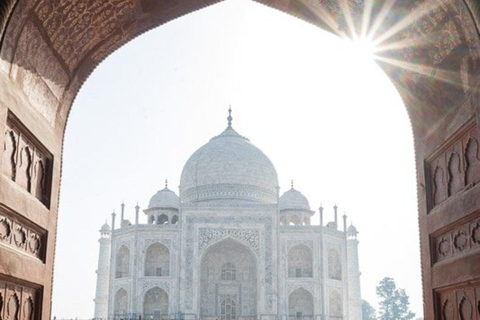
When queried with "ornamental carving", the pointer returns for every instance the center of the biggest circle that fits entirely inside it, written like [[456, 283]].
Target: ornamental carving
[[460, 240], [28, 309], [293, 242], [476, 232], [208, 236], [444, 247], [147, 285], [455, 166], [292, 286], [166, 242], [26, 161], [447, 310], [465, 309], [20, 236], [15, 233], [5, 229], [13, 307]]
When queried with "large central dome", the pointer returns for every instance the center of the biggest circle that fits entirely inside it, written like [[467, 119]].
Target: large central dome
[[226, 168]]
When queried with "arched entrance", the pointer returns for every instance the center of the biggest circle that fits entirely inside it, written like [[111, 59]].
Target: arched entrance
[[155, 304], [228, 281], [120, 303], [300, 305], [437, 78]]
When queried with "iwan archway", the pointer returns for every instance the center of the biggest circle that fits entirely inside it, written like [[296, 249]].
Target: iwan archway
[[431, 51]]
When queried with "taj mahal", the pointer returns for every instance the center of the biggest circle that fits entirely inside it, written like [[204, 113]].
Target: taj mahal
[[228, 247]]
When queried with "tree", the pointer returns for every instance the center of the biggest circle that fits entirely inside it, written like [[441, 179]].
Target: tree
[[368, 312], [394, 303]]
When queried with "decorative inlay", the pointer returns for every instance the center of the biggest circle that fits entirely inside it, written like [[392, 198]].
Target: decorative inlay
[[26, 161], [293, 242], [292, 286], [22, 235], [207, 236]]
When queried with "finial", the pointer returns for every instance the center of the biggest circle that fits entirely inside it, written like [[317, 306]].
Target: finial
[[291, 184], [166, 183], [230, 116]]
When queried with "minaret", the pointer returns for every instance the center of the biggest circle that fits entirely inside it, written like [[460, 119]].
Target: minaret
[[103, 271], [354, 293]]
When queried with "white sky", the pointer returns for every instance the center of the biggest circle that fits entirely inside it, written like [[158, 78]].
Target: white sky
[[326, 115]]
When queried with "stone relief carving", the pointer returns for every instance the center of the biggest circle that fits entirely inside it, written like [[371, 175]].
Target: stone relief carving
[[15, 234], [26, 161], [207, 236], [455, 165], [465, 308], [13, 307], [28, 309], [447, 310], [460, 238]]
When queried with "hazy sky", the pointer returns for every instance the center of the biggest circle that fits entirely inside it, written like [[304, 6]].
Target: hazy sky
[[325, 114]]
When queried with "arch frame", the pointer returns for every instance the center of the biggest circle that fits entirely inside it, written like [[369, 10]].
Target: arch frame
[[258, 268], [52, 134]]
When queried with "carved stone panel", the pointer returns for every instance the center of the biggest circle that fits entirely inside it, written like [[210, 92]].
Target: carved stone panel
[[455, 166], [19, 234], [19, 302], [26, 161]]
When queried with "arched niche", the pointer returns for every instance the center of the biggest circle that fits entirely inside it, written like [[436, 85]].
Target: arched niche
[[120, 303], [162, 219], [216, 287], [295, 221], [300, 304], [175, 219], [122, 263], [335, 304], [300, 262], [334, 264], [157, 261], [155, 304]]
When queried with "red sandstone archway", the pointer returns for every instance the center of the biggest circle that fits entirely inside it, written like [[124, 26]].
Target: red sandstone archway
[[48, 49]]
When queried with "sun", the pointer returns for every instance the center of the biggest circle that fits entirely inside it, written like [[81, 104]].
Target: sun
[[364, 48]]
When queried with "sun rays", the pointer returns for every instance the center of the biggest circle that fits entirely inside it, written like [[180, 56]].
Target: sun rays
[[362, 23]]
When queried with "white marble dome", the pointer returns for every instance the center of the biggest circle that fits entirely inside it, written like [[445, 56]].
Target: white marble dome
[[229, 167], [164, 198], [293, 200]]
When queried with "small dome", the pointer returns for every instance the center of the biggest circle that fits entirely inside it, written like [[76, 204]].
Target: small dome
[[105, 228], [229, 167], [352, 230], [164, 198], [293, 200]]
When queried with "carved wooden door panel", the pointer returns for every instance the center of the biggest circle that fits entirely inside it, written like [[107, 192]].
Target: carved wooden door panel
[[450, 227]]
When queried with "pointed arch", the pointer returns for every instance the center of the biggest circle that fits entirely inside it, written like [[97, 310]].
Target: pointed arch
[[122, 263], [455, 179], [157, 261], [300, 262], [155, 304], [120, 303], [300, 304], [335, 304], [334, 264], [243, 290]]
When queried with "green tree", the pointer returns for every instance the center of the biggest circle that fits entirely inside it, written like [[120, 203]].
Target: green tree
[[394, 302], [368, 312]]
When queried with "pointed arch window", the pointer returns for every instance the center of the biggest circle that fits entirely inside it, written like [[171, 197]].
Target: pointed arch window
[[228, 308]]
